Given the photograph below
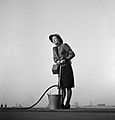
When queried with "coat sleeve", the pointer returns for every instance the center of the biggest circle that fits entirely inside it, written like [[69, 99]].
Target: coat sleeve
[[55, 56], [71, 54]]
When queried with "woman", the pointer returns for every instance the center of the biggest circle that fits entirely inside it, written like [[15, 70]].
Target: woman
[[62, 54]]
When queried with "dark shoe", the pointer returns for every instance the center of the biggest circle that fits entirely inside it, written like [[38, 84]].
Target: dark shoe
[[62, 106], [67, 106]]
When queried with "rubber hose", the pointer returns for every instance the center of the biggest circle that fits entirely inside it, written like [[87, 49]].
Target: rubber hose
[[41, 97]]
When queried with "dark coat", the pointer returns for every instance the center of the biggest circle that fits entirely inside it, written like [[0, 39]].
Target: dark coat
[[64, 52]]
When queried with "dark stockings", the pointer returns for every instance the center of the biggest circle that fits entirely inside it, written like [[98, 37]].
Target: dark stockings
[[69, 94], [63, 95]]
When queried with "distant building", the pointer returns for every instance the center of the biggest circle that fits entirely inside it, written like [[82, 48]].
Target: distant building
[[101, 105], [76, 105], [91, 104], [1, 105], [5, 106]]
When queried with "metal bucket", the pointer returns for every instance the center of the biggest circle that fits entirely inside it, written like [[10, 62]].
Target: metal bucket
[[54, 101]]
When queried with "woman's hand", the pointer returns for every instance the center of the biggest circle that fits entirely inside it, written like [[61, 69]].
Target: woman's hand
[[58, 62], [62, 61]]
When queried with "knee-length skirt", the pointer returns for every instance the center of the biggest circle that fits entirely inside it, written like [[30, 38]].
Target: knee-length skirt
[[66, 77]]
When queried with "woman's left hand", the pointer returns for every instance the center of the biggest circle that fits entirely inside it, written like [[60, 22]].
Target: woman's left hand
[[62, 61]]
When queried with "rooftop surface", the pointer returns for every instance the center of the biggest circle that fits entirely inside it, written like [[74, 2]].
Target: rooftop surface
[[57, 114]]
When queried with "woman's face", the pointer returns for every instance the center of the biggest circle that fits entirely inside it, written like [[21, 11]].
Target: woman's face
[[55, 40]]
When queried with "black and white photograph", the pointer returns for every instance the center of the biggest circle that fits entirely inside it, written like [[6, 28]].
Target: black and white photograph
[[57, 59]]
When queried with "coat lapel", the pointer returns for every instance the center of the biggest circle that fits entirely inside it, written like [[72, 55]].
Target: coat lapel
[[56, 52]]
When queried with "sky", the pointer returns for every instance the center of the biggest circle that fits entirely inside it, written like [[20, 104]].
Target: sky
[[26, 58]]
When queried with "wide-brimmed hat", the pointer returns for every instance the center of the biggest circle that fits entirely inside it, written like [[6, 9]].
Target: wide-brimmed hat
[[57, 35]]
